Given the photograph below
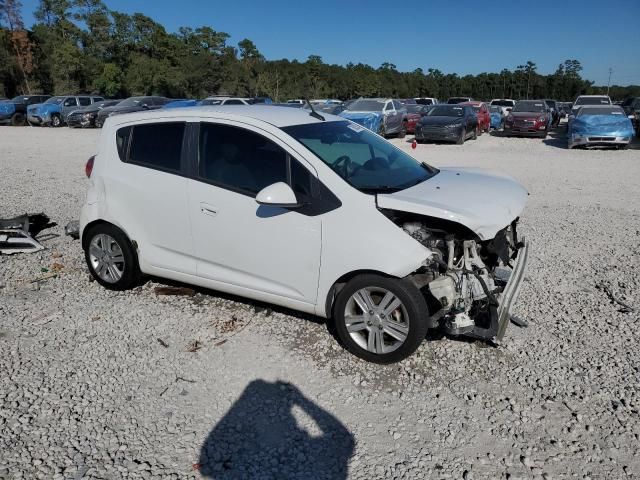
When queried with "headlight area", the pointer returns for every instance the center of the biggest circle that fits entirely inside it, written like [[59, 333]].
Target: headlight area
[[469, 285]]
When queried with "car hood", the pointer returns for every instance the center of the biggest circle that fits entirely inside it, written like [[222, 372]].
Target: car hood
[[481, 201], [438, 120], [371, 120], [7, 108], [527, 114], [43, 108], [602, 125]]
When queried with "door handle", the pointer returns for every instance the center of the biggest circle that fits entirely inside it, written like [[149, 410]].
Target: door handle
[[208, 209]]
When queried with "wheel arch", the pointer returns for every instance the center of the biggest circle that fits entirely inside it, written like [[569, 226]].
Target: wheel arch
[[100, 221], [341, 282]]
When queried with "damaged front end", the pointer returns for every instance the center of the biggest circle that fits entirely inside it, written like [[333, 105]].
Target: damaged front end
[[470, 285]]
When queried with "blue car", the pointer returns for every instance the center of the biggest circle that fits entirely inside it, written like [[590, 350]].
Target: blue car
[[182, 103], [497, 117], [14, 111], [383, 116], [600, 125], [54, 111]]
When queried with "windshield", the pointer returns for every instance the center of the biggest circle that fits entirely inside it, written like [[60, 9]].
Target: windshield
[[19, 99], [131, 102], [414, 108], [362, 158], [446, 111], [503, 103], [592, 101], [495, 109], [600, 111], [538, 107], [366, 106], [55, 100], [454, 100]]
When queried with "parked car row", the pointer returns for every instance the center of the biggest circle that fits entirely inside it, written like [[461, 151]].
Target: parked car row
[[591, 119]]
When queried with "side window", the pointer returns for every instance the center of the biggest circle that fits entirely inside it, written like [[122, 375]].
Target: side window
[[233, 102], [240, 159], [398, 105], [301, 181], [70, 102], [157, 145], [84, 101], [122, 142], [388, 107]]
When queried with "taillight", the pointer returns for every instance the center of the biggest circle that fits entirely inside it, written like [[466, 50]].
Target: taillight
[[88, 168]]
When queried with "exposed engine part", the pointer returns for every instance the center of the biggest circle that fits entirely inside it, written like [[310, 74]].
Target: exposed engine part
[[73, 229], [426, 237]]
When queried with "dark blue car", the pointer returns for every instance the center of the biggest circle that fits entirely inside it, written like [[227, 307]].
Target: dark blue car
[[14, 111]]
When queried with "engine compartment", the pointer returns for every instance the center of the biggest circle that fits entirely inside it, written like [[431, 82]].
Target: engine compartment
[[465, 277]]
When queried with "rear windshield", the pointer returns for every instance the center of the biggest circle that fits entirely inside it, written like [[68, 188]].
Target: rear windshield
[[538, 107], [592, 101], [453, 100], [414, 108], [503, 103], [600, 111], [446, 111]]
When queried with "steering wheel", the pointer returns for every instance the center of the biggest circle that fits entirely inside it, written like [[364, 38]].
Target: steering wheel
[[342, 163]]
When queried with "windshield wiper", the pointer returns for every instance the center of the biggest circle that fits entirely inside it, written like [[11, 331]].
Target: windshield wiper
[[380, 189]]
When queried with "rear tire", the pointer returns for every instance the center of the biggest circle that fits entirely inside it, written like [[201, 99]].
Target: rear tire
[[462, 138], [111, 258], [18, 119], [407, 321]]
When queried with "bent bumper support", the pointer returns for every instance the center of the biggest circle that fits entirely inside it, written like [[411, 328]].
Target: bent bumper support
[[501, 314]]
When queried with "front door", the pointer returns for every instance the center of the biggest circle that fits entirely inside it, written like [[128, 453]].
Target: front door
[[238, 242]]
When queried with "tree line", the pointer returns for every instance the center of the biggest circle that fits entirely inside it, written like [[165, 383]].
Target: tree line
[[81, 46]]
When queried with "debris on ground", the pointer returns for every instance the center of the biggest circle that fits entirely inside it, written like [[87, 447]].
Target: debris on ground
[[18, 234], [187, 292], [163, 343], [194, 346], [625, 307], [73, 229]]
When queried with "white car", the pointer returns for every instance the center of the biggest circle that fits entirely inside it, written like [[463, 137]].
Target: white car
[[219, 100], [311, 212], [590, 100], [505, 104]]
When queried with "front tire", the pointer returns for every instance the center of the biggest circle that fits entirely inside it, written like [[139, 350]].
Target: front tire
[[462, 138], [18, 119], [111, 258], [403, 130], [380, 319], [56, 121]]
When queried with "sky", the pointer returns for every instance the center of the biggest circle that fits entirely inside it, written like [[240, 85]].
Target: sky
[[461, 36]]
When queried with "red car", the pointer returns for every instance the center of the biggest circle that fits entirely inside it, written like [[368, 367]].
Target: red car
[[414, 114], [482, 112]]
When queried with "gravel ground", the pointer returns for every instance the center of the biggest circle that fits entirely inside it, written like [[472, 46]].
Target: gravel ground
[[96, 384]]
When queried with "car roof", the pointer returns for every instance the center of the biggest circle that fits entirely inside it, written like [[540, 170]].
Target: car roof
[[474, 103], [278, 117]]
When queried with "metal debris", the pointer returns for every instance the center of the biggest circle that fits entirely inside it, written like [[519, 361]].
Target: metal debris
[[17, 235], [189, 292], [73, 229]]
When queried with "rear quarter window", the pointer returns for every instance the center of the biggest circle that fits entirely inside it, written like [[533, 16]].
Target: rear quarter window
[[156, 145]]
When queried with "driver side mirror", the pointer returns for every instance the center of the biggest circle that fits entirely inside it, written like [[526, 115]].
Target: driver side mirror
[[278, 195], [145, 106]]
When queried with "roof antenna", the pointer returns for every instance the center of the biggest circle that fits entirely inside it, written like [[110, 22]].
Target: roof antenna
[[313, 113]]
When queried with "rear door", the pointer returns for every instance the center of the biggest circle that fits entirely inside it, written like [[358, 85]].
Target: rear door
[[243, 244], [148, 193], [69, 104]]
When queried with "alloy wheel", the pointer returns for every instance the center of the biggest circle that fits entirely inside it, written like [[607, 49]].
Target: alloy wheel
[[106, 257], [376, 320]]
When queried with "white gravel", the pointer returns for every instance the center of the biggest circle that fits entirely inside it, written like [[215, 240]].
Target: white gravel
[[88, 390]]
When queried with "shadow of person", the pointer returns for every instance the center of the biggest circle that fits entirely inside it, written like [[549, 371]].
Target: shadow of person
[[274, 432]]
